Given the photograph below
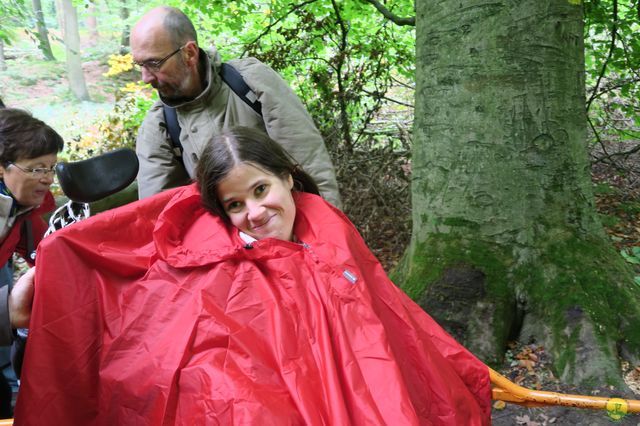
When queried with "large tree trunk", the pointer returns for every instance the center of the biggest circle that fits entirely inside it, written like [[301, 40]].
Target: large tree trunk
[[42, 33], [506, 242], [72, 43]]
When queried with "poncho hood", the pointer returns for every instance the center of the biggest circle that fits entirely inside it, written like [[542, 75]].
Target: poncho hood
[[184, 231]]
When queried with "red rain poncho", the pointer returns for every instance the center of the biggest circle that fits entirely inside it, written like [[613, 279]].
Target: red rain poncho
[[157, 313]]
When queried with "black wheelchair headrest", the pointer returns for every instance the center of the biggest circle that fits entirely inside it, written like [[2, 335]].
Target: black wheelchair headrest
[[90, 180]]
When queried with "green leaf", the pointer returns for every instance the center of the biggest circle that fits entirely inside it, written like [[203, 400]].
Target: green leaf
[[630, 257]]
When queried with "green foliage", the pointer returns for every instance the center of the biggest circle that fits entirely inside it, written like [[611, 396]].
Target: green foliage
[[340, 57], [612, 54], [118, 128], [604, 189], [633, 257], [13, 12], [609, 221]]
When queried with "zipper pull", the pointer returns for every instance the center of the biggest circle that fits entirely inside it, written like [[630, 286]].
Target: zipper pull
[[310, 251]]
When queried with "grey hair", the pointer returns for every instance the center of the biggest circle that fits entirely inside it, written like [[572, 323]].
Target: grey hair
[[179, 27]]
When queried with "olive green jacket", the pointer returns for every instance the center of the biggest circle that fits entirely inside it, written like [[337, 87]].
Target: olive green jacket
[[284, 118]]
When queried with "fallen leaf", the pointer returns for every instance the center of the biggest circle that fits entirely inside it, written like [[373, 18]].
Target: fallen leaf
[[527, 363]]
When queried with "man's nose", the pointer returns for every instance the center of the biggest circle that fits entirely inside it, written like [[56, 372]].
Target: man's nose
[[147, 76]]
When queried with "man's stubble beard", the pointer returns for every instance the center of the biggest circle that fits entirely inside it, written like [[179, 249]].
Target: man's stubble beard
[[180, 92]]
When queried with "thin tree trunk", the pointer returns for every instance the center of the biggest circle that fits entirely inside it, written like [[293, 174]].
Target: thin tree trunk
[[72, 43], [42, 33], [60, 16], [124, 38], [92, 24], [3, 61], [506, 242]]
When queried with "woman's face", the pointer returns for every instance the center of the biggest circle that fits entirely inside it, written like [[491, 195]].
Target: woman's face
[[258, 203], [28, 188]]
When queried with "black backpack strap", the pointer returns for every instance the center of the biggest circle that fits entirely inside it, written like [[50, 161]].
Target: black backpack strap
[[173, 127], [234, 80], [232, 77]]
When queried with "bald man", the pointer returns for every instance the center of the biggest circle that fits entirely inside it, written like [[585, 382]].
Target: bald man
[[164, 44]]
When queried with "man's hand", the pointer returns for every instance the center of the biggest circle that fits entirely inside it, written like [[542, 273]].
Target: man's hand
[[20, 300]]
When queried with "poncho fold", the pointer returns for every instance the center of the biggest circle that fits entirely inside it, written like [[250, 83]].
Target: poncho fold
[[157, 313]]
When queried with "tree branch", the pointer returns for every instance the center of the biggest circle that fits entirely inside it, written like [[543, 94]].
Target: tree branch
[[274, 23], [390, 16], [614, 31], [342, 52], [386, 98]]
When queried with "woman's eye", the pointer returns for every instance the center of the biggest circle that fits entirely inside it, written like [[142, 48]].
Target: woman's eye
[[234, 206], [261, 189]]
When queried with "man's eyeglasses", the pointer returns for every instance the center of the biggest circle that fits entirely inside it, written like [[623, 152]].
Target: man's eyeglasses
[[155, 64], [38, 172]]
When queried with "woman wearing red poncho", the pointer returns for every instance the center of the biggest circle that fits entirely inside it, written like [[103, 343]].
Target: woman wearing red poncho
[[257, 303]]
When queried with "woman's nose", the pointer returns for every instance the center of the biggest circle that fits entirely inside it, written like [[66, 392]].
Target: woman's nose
[[255, 211], [47, 178]]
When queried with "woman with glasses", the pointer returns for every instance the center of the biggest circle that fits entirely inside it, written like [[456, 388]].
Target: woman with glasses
[[28, 153]]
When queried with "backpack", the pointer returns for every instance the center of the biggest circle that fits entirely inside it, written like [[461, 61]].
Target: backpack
[[234, 80]]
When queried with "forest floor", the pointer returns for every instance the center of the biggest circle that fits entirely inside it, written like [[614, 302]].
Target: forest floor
[[617, 199]]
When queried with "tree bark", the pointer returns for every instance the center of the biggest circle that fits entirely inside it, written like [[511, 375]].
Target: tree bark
[[42, 33], [60, 15], [3, 61], [92, 24], [506, 242], [75, 74], [124, 38]]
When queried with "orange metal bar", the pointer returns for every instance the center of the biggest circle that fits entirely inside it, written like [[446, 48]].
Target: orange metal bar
[[6, 422], [506, 390]]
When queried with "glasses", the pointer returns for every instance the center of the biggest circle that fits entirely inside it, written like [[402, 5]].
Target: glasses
[[38, 172], [155, 64]]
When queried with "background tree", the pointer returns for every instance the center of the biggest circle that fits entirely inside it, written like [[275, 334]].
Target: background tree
[[3, 63], [75, 74], [126, 29], [92, 23], [42, 35], [60, 14], [506, 241]]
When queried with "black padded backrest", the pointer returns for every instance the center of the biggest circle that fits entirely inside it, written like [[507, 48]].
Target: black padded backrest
[[90, 180]]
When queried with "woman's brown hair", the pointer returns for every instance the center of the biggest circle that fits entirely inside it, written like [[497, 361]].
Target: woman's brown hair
[[245, 145]]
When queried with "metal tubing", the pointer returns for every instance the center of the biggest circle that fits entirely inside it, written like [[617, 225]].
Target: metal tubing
[[506, 390]]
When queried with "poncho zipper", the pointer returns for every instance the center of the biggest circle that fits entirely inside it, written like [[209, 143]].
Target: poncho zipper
[[311, 252]]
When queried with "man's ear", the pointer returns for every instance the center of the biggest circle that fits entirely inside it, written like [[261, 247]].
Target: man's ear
[[192, 53]]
